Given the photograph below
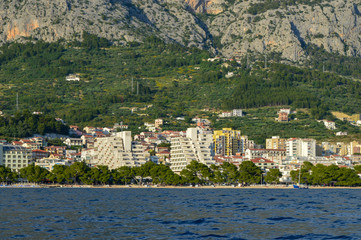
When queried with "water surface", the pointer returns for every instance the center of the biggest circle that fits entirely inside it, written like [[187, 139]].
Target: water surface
[[151, 213]]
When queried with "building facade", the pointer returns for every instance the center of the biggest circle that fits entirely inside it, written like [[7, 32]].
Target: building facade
[[15, 157], [117, 151], [228, 142], [196, 145], [301, 147], [275, 143], [275, 155]]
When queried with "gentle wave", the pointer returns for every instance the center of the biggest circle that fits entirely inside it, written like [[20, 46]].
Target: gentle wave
[[179, 214]]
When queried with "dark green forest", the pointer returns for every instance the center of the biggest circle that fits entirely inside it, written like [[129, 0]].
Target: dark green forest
[[25, 124]]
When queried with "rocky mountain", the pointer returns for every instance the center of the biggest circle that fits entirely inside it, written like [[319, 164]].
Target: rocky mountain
[[228, 27]]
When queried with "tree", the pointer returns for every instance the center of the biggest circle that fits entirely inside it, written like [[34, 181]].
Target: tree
[[6, 175], [273, 176], [249, 173], [358, 169], [78, 169], [143, 171], [196, 172], [218, 176], [347, 177], [230, 173], [162, 174], [105, 175], [34, 173], [123, 175]]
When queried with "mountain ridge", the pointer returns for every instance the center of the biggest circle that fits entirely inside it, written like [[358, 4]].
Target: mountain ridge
[[228, 27]]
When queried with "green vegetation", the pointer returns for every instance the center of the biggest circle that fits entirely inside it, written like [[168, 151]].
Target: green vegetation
[[194, 173], [25, 124], [264, 6], [259, 124], [6, 175], [322, 60], [327, 175], [163, 80], [273, 176]]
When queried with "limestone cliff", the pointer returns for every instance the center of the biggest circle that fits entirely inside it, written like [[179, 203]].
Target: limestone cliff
[[206, 6], [232, 27]]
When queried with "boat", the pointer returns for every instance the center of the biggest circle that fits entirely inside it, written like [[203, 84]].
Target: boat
[[298, 185]]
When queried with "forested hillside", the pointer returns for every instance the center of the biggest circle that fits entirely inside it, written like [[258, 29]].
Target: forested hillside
[[164, 79]]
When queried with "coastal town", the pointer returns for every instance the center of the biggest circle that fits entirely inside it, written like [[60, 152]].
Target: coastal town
[[116, 147]]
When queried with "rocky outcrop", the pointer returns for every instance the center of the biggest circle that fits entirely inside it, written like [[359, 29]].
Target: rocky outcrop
[[233, 27], [206, 6], [334, 25]]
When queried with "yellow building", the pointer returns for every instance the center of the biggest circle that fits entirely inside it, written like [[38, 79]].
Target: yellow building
[[275, 143], [228, 142], [344, 148]]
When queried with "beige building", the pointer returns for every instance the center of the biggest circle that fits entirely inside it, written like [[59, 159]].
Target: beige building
[[15, 157], [158, 123], [275, 155], [275, 143], [196, 145], [119, 150], [73, 142], [340, 148]]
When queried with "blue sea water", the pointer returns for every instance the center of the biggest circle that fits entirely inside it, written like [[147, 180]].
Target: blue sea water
[[152, 213]]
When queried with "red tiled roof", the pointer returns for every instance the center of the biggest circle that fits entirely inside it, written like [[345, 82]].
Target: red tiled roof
[[164, 152], [39, 151], [261, 160]]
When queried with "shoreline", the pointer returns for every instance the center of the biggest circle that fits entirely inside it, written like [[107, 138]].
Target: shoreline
[[168, 187]]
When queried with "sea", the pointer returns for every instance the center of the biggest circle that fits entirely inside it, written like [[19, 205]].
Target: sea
[[194, 213]]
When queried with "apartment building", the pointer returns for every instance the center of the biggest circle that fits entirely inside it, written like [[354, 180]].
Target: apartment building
[[275, 143], [195, 145], [228, 142], [301, 147], [15, 157], [118, 150]]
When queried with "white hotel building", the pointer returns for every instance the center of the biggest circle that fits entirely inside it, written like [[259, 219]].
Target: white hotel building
[[298, 147], [196, 145], [119, 150]]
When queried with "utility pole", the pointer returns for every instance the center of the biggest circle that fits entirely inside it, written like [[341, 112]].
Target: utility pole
[[137, 88], [132, 85], [265, 61], [17, 101], [247, 61]]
